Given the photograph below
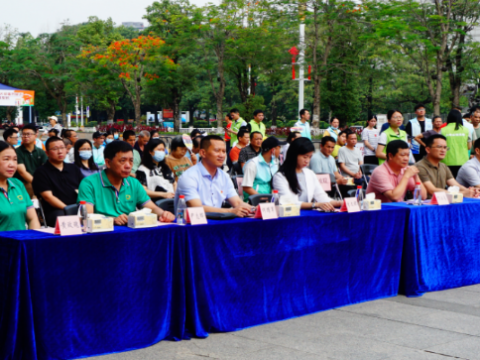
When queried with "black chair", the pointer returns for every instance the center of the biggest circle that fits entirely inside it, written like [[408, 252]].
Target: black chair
[[367, 170], [166, 205], [71, 209], [259, 198], [353, 192], [334, 184], [237, 169], [37, 204]]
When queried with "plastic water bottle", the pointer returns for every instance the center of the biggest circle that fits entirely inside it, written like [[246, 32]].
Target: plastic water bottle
[[359, 197], [83, 214], [276, 201], [181, 210], [417, 195]]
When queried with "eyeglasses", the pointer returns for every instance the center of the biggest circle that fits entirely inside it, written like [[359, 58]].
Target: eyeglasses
[[58, 148], [28, 135], [441, 147], [14, 137]]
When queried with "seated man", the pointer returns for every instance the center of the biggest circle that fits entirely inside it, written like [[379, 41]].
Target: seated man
[[73, 137], [258, 172], [469, 173], [112, 192], [350, 159], [11, 136], [322, 162], [56, 182], [205, 184], [391, 180], [434, 174], [252, 150], [243, 140], [29, 157], [176, 160]]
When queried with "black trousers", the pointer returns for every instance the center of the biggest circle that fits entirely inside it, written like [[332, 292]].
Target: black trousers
[[370, 159], [454, 170], [51, 216]]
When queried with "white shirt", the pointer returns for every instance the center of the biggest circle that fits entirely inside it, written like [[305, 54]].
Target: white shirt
[[70, 158], [314, 190], [372, 136]]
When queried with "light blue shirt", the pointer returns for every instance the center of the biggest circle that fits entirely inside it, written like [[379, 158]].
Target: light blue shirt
[[197, 183], [98, 155], [319, 163], [306, 129]]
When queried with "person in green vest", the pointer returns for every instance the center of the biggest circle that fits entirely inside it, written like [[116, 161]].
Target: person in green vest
[[459, 141], [237, 123], [257, 123], [395, 120], [16, 208]]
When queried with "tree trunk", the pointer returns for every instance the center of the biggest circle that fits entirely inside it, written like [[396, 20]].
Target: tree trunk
[[9, 113], [177, 115], [111, 109]]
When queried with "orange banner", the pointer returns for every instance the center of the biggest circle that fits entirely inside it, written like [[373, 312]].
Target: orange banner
[[17, 98]]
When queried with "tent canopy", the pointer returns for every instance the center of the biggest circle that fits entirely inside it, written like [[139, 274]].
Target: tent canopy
[[5, 87]]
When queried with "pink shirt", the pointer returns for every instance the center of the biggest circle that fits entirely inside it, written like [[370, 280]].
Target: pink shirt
[[384, 179]]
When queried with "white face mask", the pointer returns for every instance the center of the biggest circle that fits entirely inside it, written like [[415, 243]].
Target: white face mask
[[85, 154]]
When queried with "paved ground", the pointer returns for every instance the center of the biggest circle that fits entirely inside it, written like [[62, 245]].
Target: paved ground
[[438, 326]]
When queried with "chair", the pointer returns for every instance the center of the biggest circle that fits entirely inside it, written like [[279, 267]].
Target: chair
[[237, 169], [166, 205], [367, 170], [259, 198], [71, 209], [238, 185], [37, 204], [353, 192], [333, 183]]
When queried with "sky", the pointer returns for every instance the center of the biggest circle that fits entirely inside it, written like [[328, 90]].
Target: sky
[[40, 16]]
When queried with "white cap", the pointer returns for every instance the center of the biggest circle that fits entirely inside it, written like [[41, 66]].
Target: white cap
[[53, 118]]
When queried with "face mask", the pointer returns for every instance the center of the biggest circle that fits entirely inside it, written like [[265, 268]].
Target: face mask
[[159, 156], [85, 154], [334, 128], [108, 141], [156, 137], [115, 136]]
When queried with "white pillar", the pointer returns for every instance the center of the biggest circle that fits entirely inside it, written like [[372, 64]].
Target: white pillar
[[76, 110], [81, 110], [69, 120], [301, 73]]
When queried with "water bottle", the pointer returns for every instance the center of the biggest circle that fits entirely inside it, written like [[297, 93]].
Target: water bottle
[[276, 200], [417, 195], [181, 210], [359, 197], [83, 214]]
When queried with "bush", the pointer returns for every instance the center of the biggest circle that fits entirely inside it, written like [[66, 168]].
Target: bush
[[201, 124], [323, 125]]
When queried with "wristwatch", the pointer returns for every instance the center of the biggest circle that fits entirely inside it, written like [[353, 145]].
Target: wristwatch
[[313, 206]]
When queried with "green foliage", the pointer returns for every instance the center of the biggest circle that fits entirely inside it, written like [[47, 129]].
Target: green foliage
[[249, 106]]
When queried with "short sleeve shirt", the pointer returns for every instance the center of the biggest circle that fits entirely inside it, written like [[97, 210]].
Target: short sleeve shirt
[[351, 158], [14, 203], [32, 160], [383, 179], [438, 176], [98, 191], [247, 153], [372, 136], [319, 163], [469, 173]]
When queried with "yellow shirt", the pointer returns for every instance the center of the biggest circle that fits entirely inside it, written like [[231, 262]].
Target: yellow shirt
[[335, 151]]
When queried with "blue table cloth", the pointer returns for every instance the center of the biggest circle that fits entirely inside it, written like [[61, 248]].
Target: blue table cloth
[[73, 296], [442, 247], [246, 272]]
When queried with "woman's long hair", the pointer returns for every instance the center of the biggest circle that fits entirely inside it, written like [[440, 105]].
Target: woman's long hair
[[300, 146], [455, 117], [78, 159], [372, 117], [147, 159]]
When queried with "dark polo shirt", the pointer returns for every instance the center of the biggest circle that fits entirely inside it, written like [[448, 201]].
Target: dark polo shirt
[[32, 160], [63, 184]]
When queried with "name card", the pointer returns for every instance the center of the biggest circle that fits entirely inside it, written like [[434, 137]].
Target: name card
[[324, 180], [439, 198], [196, 216], [350, 205], [266, 211], [68, 225]]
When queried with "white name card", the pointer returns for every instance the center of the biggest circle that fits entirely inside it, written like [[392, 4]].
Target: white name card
[[68, 225], [350, 205], [440, 198], [324, 180], [266, 211], [196, 216]]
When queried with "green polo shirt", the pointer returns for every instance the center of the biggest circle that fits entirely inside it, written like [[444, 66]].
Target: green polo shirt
[[14, 203], [98, 191], [260, 127], [31, 160]]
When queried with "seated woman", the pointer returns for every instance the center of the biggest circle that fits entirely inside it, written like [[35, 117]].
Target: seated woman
[[17, 208], [294, 178], [154, 174], [84, 157]]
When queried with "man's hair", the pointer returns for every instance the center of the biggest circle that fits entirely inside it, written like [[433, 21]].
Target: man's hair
[[437, 117], [196, 142], [431, 139], [112, 149], [351, 133], [195, 132], [68, 133], [346, 132], [256, 112], [144, 133], [302, 112], [67, 142], [418, 106], [207, 140], [234, 111], [476, 144], [55, 131], [9, 132], [51, 140], [243, 130], [177, 142], [97, 134], [394, 146], [252, 134], [475, 108], [127, 134], [111, 131], [326, 139], [467, 116], [30, 127]]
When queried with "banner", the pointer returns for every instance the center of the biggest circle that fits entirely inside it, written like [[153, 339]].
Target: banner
[[17, 98]]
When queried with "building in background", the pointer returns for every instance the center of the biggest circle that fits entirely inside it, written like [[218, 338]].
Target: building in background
[[136, 25]]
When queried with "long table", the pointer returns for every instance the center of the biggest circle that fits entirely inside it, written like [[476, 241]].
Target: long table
[[442, 247], [76, 296]]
